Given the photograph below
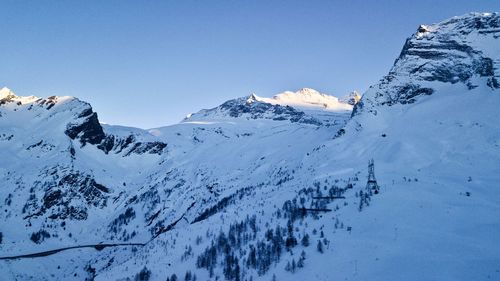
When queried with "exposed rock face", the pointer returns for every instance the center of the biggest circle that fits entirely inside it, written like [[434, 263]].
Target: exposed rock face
[[88, 130], [255, 109], [82, 123], [65, 196], [129, 145], [251, 108], [458, 50], [352, 99]]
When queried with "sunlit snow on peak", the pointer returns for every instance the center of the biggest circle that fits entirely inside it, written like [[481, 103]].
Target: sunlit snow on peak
[[307, 98]]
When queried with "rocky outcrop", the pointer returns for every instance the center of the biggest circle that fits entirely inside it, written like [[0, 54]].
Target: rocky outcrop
[[65, 196], [251, 108], [130, 145], [87, 129], [458, 50]]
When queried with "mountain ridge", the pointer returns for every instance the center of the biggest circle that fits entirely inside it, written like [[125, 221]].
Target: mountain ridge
[[456, 50], [251, 190]]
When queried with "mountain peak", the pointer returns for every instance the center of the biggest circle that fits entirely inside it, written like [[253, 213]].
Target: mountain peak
[[482, 23], [6, 93], [461, 51], [308, 98], [252, 98], [307, 92], [352, 98]]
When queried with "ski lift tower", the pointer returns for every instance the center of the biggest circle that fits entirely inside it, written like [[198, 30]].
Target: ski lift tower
[[371, 185]]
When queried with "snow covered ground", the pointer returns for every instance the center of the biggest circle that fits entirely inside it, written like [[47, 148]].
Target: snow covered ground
[[223, 194]]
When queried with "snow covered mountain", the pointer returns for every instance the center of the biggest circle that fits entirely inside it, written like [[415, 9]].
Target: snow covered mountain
[[269, 188], [309, 98], [459, 51]]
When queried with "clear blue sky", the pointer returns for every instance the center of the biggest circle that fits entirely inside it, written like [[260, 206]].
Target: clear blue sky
[[149, 63]]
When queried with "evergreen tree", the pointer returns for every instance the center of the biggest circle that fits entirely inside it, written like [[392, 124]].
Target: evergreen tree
[[143, 275], [305, 240], [252, 258], [290, 241], [302, 258], [288, 267], [319, 247]]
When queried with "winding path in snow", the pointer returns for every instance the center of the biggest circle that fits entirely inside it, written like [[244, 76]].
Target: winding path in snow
[[98, 247]]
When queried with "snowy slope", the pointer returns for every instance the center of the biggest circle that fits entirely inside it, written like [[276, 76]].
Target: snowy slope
[[223, 194], [54, 171]]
